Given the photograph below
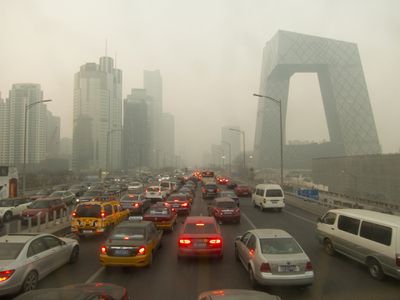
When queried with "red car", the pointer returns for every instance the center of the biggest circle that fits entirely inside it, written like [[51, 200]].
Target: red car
[[180, 203], [200, 236], [242, 191], [223, 180], [39, 208], [224, 209]]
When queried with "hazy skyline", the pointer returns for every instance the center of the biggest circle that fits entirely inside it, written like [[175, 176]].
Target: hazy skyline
[[209, 54]]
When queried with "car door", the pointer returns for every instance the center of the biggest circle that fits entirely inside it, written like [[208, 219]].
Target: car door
[[326, 225], [242, 248], [21, 205], [59, 251], [39, 257]]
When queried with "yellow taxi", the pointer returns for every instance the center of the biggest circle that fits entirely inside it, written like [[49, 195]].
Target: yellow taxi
[[131, 244], [96, 217]]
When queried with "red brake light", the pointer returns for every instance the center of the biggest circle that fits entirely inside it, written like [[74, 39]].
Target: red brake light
[[74, 214], [103, 249], [136, 205], [184, 204], [4, 275], [265, 268], [309, 266], [184, 242], [199, 224], [103, 214], [215, 242], [142, 250]]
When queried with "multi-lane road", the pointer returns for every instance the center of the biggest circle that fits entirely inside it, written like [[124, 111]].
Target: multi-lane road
[[335, 277]]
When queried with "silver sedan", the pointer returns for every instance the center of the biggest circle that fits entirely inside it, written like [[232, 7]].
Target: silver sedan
[[273, 257], [27, 258]]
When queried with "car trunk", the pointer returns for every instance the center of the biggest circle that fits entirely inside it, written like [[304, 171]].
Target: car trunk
[[286, 264]]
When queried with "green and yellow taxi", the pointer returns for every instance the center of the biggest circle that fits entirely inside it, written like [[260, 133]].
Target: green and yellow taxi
[[131, 244]]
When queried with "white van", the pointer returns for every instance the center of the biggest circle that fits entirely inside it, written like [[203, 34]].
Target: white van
[[268, 196], [369, 237]]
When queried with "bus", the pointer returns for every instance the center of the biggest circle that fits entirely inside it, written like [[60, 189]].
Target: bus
[[8, 182]]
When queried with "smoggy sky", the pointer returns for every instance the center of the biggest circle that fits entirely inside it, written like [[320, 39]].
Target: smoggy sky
[[209, 53]]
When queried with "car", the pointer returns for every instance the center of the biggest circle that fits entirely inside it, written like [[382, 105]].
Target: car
[[80, 291], [180, 202], [273, 257], [222, 180], [11, 207], [242, 191], [90, 195], [40, 194], [155, 193], [132, 243], [209, 191], [231, 185], [40, 208], [96, 217], [224, 209], [135, 203], [163, 216], [78, 189], [200, 236], [167, 186], [27, 258], [188, 194], [229, 194], [135, 187], [66, 196], [268, 196], [236, 294]]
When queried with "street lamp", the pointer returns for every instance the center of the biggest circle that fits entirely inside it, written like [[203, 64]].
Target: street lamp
[[27, 107], [108, 147], [279, 102], [244, 145], [230, 156]]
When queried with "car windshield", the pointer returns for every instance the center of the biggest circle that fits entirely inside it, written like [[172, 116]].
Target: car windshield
[[279, 246], [88, 211], [10, 250], [128, 233], [200, 228], [40, 204], [273, 193], [6, 203]]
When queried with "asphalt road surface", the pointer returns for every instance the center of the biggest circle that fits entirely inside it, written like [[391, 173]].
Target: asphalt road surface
[[335, 277]]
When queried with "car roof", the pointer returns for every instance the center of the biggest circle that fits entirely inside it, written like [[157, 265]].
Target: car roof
[[379, 217], [270, 232], [204, 219], [19, 237], [268, 186]]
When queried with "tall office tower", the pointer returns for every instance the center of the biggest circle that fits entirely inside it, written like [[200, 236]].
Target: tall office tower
[[231, 139], [53, 135], [136, 134], [97, 116], [168, 140], [217, 156], [20, 96], [152, 82]]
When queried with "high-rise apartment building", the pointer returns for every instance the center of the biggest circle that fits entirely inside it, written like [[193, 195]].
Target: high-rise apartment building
[[97, 116], [3, 132], [167, 139], [136, 134]]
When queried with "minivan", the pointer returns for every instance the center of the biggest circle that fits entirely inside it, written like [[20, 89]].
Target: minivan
[[369, 237], [268, 196]]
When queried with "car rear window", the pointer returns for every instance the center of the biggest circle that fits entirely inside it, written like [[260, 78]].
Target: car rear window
[[210, 186], [200, 228], [226, 204], [177, 197], [88, 211], [128, 233], [274, 193], [10, 250], [164, 184], [279, 246]]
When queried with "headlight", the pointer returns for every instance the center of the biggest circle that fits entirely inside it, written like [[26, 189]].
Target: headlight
[[77, 200]]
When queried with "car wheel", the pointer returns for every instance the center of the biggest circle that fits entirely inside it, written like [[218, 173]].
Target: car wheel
[[261, 207], [30, 282], [375, 269], [74, 255], [7, 216], [328, 247], [253, 281]]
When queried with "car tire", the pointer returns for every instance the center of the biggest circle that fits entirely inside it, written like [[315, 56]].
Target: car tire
[[375, 269], [31, 282], [253, 281], [328, 247], [7, 216], [261, 208], [73, 258]]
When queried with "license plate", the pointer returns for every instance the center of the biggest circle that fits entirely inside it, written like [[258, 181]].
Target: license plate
[[175, 205], [87, 231], [287, 268], [121, 252], [199, 245], [227, 212], [274, 201]]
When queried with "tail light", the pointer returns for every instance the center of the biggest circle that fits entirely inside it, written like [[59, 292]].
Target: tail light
[[103, 214], [74, 214], [5, 275], [265, 268], [142, 250], [237, 210], [103, 249], [184, 242], [203, 190], [398, 260], [309, 266], [184, 204], [136, 204], [215, 242]]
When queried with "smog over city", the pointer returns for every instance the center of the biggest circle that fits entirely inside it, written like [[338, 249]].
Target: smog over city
[[209, 54]]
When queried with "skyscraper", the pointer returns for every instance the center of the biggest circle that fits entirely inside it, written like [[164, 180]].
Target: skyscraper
[[167, 139], [136, 142], [152, 83], [97, 116], [53, 135]]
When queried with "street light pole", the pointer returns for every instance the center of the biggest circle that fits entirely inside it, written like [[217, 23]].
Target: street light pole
[[244, 146], [27, 107], [279, 102], [230, 156]]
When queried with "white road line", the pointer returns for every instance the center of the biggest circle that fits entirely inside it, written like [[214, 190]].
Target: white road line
[[248, 220], [299, 217], [94, 276]]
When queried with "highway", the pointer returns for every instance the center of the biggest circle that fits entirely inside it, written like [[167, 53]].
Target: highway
[[336, 277]]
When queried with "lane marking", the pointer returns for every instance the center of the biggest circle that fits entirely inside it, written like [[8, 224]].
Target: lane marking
[[94, 276], [248, 220], [299, 217]]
